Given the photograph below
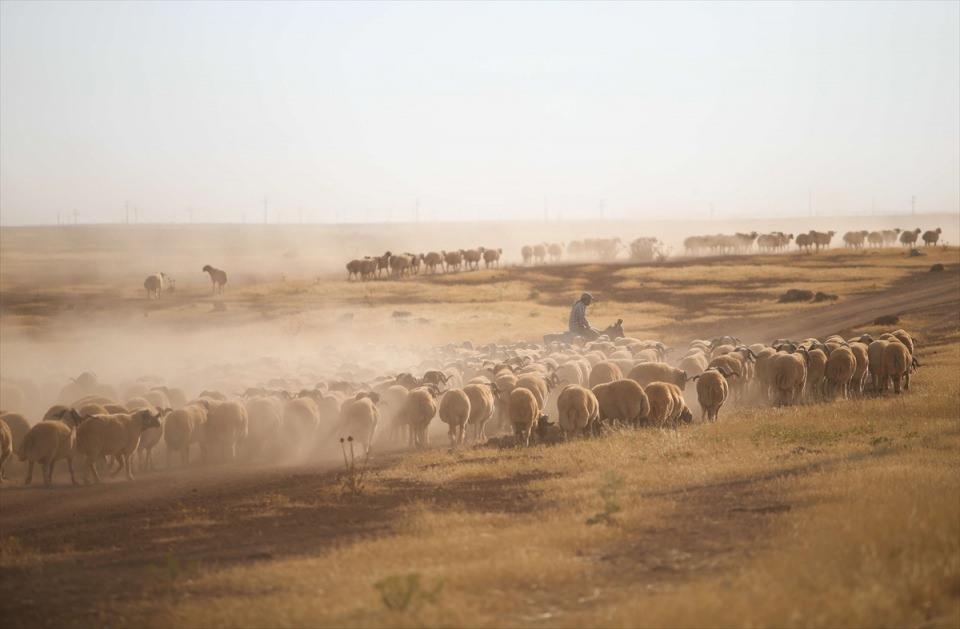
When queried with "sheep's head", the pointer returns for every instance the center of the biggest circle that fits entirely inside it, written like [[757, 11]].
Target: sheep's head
[[149, 419], [71, 416], [686, 416], [86, 379], [206, 268]]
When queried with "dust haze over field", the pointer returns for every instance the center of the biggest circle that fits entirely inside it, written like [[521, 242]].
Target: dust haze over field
[[763, 200]]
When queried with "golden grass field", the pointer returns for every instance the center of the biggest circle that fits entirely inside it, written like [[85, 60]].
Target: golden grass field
[[844, 514]]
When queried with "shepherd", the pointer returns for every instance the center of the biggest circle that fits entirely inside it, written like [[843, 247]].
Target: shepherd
[[579, 326]]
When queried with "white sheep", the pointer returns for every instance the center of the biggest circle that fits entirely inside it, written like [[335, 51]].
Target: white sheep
[[603, 372], [482, 407], [224, 431], [183, 428], [896, 366], [359, 419], [418, 411], [115, 435]]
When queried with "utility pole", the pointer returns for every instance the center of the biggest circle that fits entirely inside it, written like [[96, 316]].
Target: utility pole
[[58, 218], [913, 204], [126, 212], [713, 207], [264, 210], [416, 210], [602, 208], [190, 214], [76, 219], [546, 215], [810, 203]]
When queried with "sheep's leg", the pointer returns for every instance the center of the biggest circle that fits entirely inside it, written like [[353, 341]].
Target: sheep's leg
[[93, 468], [127, 465], [48, 477], [29, 474], [3, 459], [73, 478]]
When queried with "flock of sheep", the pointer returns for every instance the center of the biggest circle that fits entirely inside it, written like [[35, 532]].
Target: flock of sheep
[[533, 391], [773, 242], [160, 283], [399, 265]]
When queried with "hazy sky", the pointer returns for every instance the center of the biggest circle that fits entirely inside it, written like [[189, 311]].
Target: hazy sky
[[354, 111]]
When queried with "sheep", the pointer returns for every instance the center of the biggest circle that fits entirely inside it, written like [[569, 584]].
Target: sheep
[[816, 360], [540, 253], [875, 352], [114, 435], [148, 441], [393, 399], [909, 238], [49, 441], [538, 385], [906, 339], [455, 412], [418, 410], [693, 364], [555, 250], [472, 257], [482, 407], [804, 241], [354, 269], [788, 377], [526, 252], [603, 372], [712, 391], [863, 362], [224, 431], [875, 239], [524, 414], [491, 257], [155, 284], [622, 399], [577, 408], [646, 373], [19, 426], [264, 425], [359, 419], [897, 363], [399, 265], [301, 417], [666, 404], [930, 237], [452, 260], [6, 445], [182, 428], [217, 277], [841, 365]]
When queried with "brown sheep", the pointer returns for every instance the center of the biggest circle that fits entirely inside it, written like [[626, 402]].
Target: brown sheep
[[49, 441], [666, 404], [841, 365], [622, 399], [897, 364], [712, 391], [418, 410], [524, 414], [646, 373], [6, 445], [455, 412]]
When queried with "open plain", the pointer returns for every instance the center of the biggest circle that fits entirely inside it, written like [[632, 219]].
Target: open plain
[[818, 514]]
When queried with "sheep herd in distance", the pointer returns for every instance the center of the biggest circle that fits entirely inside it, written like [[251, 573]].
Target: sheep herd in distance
[[644, 249]]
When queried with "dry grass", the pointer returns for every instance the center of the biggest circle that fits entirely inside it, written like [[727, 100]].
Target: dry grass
[[843, 514]]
